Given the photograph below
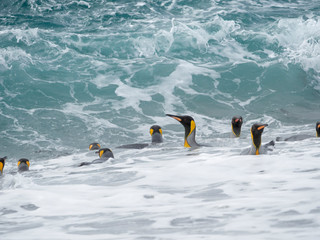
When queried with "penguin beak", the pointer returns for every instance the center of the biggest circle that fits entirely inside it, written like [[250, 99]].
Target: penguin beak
[[237, 120], [175, 117], [262, 126]]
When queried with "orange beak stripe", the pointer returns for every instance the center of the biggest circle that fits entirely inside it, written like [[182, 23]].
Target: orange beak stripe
[[176, 118], [237, 120], [261, 127]]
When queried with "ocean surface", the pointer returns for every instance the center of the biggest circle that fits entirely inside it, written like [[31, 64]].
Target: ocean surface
[[77, 72]]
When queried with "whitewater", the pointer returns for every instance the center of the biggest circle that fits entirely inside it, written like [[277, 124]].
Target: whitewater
[[77, 72]]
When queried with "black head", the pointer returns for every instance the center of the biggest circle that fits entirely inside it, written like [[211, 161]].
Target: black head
[[190, 129], [156, 134], [318, 129], [256, 132], [105, 153], [2, 163], [23, 164], [236, 124], [94, 146], [186, 121]]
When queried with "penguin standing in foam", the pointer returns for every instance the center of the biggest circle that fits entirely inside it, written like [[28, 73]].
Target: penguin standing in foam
[[236, 124], [2, 163], [156, 137], [104, 154], [256, 148], [301, 137], [23, 165], [190, 130]]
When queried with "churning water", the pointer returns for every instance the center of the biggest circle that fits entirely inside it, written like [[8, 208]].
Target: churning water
[[76, 72]]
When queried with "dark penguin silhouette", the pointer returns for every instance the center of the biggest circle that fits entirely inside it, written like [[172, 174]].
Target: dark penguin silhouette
[[23, 165], [256, 148], [236, 124], [104, 155], [2, 163], [156, 137], [190, 130]]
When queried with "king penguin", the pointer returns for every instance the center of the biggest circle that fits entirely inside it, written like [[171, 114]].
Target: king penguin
[[301, 137], [2, 163], [156, 137], [256, 148], [104, 155], [236, 124], [190, 130], [94, 146], [23, 165]]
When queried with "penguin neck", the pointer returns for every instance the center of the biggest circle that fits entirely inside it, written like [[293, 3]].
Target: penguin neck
[[236, 130], [318, 132], [190, 139], [156, 138], [256, 143]]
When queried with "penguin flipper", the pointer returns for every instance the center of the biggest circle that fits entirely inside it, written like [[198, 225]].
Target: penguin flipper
[[84, 164], [134, 146], [294, 138], [271, 143]]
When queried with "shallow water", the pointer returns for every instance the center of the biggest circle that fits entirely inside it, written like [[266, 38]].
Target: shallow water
[[76, 72]]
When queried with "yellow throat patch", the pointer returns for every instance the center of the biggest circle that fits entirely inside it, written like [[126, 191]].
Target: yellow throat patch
[[257, 148], [192, 127]]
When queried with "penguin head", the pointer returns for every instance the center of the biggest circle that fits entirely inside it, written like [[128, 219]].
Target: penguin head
[[105, 153], [256, 132], [2, 163], [23, 164], [318, 129], [190, 129], [156, 134], [94, 146], [236, 124]]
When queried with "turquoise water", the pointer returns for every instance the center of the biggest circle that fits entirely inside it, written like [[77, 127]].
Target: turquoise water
[[73, 72], [76, 72]]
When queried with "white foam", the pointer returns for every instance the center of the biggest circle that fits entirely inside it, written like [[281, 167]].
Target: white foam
[[10, 55], [203, 193], [300, 38]]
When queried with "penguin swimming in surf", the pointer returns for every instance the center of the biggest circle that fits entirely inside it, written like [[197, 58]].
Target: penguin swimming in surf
[[190, 130], [236, 124], [94, 146], [156, 137], [2, 163], [23, 165], [301, 137], [256, 148], [104, 155]]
